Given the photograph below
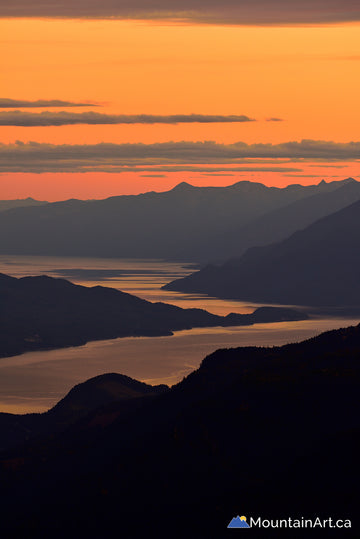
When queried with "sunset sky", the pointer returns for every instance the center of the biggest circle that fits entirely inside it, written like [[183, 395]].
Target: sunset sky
[[118, 97]]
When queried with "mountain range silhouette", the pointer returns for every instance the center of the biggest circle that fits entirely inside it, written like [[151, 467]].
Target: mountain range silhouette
[[317, 266], [186, 223]]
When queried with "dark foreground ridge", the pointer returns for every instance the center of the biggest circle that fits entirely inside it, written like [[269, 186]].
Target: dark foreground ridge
[[38, 313], [79, 402], [260, 432]]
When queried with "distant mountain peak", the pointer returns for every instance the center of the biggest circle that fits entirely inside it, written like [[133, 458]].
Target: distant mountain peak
[[350, 180], [247, 186], [339, 182], [183, 186]]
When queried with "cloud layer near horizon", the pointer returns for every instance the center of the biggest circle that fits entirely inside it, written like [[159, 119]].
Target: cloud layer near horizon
[[46, 118], [107, 157], [6, 103], [264, 12]]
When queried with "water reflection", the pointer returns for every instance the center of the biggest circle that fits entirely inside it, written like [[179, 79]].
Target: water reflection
[[142, 278], [35, 381]]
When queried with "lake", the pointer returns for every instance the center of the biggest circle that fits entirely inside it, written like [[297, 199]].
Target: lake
[[35, 381]]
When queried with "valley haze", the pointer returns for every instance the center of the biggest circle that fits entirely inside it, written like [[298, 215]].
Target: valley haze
[[187, 223]]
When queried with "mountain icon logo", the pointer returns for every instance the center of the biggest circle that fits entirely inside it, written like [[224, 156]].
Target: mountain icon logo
[[238, 522]]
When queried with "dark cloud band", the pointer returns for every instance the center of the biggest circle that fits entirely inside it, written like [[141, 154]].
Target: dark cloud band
[[46, 118], [106, 157], [264, 12], [40, 103]]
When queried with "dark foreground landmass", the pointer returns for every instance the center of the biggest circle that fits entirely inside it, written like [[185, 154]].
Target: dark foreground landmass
[[78, 403], [260, 432], [38, 313]]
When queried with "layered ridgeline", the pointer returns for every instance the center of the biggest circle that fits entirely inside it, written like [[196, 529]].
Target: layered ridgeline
[[261, 432], [318, 266], [278, 224], [20, 203], [43, 312], [186, 223]]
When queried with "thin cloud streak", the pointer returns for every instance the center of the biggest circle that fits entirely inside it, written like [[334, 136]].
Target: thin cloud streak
[[109, 157], [82, 169], [6, 103], [220, 170], [153, 175], [46, 118], [220, 174], [258, 12], [306, 176]]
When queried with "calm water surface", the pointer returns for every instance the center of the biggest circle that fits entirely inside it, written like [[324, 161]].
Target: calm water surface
[[35, 381]]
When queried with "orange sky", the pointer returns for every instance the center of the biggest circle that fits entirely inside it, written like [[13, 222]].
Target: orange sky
[[307, 76]]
